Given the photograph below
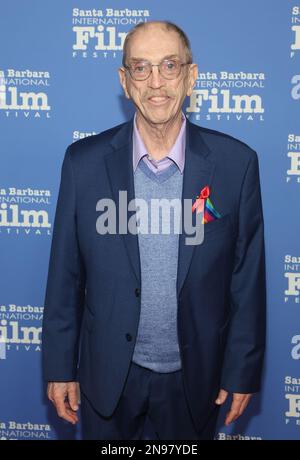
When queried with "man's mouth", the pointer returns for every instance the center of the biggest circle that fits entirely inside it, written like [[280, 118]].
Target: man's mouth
[[158, 100]]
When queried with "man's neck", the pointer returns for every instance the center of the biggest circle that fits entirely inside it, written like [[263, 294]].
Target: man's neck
[[159, 139]]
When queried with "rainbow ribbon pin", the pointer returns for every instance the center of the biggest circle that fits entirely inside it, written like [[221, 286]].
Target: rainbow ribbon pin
[[203, 202]]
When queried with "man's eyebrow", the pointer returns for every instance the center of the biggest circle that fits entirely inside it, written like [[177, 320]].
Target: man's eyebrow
[[169, 56]]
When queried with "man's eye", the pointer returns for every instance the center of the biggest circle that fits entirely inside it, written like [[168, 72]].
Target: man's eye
[[170, 65], [139, 68]]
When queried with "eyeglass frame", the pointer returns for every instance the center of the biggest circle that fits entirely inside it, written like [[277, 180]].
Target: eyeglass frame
[[126, 67]]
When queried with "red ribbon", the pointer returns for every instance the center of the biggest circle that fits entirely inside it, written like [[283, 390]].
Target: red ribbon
[[205, 192], [199, 203]]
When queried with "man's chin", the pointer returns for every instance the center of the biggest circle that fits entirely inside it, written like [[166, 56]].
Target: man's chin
[[157, 118]]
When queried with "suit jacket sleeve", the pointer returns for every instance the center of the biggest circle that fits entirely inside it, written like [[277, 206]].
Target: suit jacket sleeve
[[65, 289], [245, 344]]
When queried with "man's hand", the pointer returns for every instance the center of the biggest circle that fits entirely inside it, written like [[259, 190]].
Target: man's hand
[[65, 397], [238, 405]]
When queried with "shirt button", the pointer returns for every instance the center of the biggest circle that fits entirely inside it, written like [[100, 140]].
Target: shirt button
[[128, 337], [137, 292]]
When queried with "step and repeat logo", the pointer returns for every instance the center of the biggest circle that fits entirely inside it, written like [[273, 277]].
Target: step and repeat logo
[[295, 352], [295, 27], [11, 430], [295, 91], [24, 93], [24, 211], [292, 276], [237, 437], [292, 396], [20, 329], [76, 135], [101, 33], [228, 96], [293, 154]]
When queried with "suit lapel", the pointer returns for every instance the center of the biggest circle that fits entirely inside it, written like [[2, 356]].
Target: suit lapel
[[198, 172], [120, 172]]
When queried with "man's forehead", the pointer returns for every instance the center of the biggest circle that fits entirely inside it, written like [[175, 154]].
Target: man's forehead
[[155, 43], [142, 58]]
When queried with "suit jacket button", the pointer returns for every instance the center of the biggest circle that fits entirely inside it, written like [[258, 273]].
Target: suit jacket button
[[137, 292], [128, 337]]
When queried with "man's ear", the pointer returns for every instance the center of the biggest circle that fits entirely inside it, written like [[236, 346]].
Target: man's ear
[[122, 76], [193, 74]]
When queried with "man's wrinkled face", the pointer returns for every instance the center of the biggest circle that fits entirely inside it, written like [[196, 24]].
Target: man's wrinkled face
[[157, 99]]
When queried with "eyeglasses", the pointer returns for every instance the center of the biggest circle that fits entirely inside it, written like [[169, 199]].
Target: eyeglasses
[[168, 68]]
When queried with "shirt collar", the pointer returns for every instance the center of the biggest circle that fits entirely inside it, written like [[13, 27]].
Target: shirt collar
[[176, 154]]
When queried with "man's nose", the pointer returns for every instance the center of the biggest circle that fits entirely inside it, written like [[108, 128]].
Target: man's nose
[[155, 80]]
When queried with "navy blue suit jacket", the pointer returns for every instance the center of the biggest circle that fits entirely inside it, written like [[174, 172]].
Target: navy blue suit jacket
[[93, 293]]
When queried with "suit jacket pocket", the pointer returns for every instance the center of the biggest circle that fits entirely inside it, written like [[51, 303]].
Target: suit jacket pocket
[[218, 225]]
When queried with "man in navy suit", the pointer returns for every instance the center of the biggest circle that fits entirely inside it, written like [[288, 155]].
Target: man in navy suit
[[150, 325]]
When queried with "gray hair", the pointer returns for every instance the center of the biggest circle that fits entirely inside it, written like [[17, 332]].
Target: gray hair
[[169, 26]]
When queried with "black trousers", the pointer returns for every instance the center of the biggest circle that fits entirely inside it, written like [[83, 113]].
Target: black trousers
[[152, 406]]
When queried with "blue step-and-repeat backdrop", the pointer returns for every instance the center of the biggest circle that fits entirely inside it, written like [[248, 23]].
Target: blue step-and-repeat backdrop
[[59, 83]]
